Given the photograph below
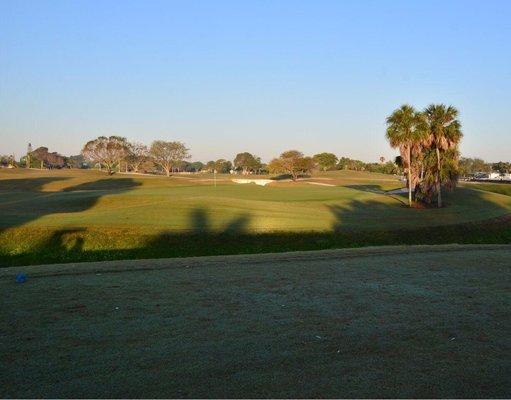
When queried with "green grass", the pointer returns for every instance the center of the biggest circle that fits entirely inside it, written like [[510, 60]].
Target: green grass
[[55, 216], [502, 188], [404, 323]]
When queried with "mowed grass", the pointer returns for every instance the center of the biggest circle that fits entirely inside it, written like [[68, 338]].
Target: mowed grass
[[502, 188], [363, 323], [54, 216]]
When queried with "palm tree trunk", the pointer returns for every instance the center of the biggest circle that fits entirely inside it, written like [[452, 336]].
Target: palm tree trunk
[[409, 176], [438, 183]]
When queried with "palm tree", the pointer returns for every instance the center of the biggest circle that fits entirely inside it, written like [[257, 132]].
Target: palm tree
[[444, 134], [406, 129]]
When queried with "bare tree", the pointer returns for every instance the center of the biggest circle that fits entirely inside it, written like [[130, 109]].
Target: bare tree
[[168, 154], [107, 151], [137, 154]]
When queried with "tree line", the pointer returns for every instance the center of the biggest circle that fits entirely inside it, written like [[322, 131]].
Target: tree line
[[116, 154], [471, 166]]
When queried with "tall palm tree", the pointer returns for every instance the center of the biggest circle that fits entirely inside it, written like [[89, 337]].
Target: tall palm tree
[[444, 134], [406, 129]]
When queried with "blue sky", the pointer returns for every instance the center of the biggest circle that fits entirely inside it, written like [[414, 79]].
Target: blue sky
[[262, 76]]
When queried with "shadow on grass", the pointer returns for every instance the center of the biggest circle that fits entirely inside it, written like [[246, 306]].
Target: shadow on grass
[[73, 245], [109, 184], [30, 185], [377, 189], [200, 222], [25, 201]]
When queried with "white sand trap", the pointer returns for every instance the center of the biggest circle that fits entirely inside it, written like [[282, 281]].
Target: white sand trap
[[320, 184], [260, 182]]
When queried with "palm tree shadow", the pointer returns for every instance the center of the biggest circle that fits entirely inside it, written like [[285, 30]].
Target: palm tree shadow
[[200, 221], [377, 189], [361, 213], [238, 225], [202, 234]]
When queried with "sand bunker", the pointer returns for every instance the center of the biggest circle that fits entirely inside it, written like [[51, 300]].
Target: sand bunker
[[320, 184], [260, 182]]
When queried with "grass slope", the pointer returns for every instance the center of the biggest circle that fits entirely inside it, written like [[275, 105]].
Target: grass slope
[[377, 323], [502, 188], [55, 216]]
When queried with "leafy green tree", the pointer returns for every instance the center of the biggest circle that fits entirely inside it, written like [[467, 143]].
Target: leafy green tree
[[291, 162], [469, 166], [399, 161], [325, 161], [210, 166], [388, 168], [347, 163], [343, 163], [195, 166], [247, 162], [306, 165], [7, 161], [263, 169], [406, 130], [501, 167], [480, 165], [77, 161], [223, 166]]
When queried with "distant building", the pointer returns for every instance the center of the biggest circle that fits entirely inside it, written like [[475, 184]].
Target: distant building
[[492, 176]]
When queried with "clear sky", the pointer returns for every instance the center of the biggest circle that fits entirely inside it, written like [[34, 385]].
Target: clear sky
[[258, 76]]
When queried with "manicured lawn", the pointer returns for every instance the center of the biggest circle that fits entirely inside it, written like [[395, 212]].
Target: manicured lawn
[[405, 322], [53, 216], [502, 188]]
